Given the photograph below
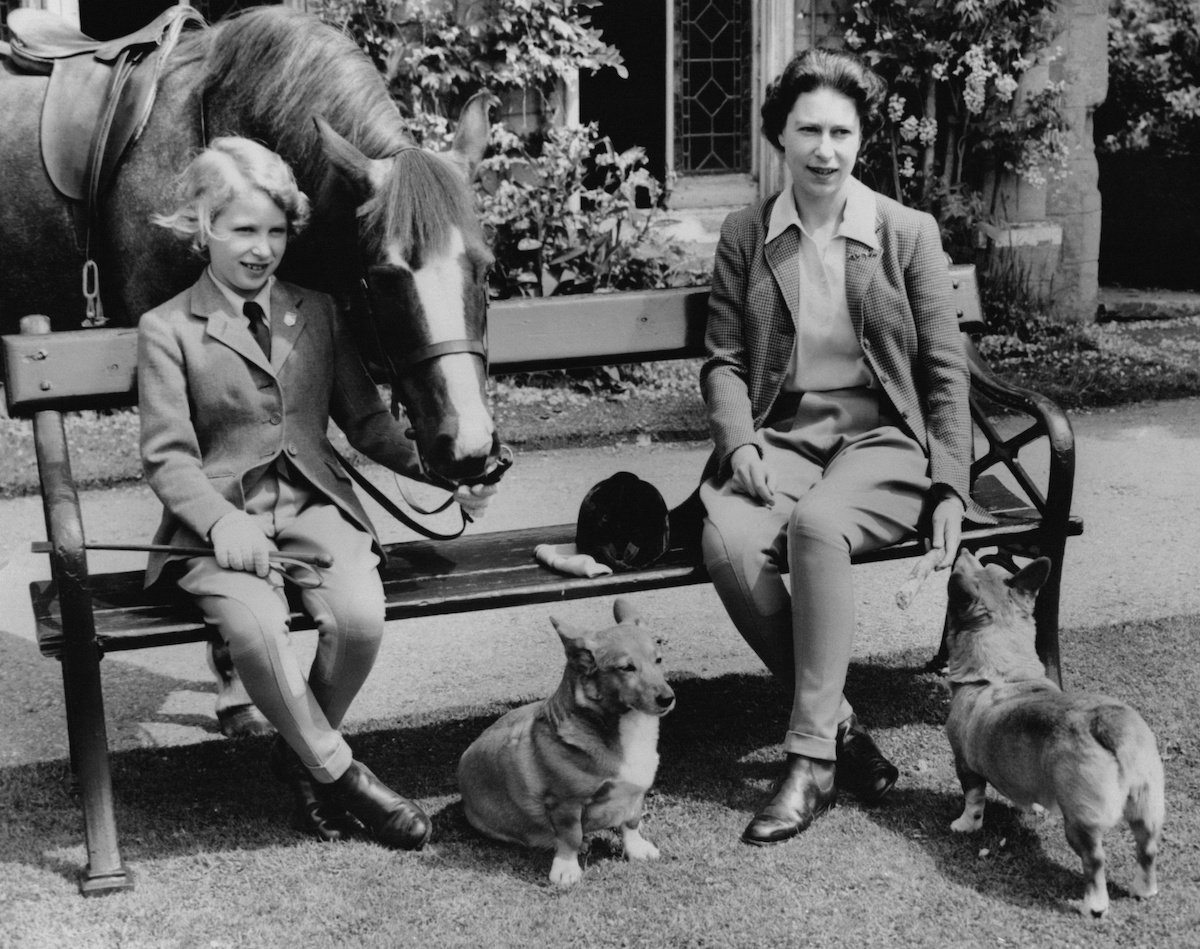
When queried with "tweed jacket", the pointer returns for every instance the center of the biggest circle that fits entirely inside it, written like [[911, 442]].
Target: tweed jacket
[[215, 413], [900, 304]]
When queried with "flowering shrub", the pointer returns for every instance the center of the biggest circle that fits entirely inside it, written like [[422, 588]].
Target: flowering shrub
[[953, 69], [571, 216], [563, 210], [435, 63], [1153, 99]]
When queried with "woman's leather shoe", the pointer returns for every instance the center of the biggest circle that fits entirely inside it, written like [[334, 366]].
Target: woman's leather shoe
[[806, 791], [861, 767], [313, 812], [394, 821]]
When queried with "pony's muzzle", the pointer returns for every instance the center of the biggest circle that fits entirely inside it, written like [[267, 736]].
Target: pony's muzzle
[[449, 462]]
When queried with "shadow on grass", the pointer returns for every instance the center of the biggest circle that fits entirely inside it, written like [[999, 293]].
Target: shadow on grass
[[719, 752]]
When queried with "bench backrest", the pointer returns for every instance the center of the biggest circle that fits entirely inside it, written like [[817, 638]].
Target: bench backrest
[[89, 369]]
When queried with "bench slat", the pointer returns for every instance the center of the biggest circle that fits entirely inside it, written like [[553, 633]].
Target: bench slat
[[90, 369], [474, 572]]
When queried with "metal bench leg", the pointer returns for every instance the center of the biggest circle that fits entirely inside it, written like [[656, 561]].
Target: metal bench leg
[[1045, 615], [105, 872], [82, 691]]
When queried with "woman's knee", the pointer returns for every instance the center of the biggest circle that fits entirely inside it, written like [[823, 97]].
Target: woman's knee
[[815, 519]]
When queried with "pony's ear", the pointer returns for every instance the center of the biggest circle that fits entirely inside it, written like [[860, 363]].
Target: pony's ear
[[364, 175], [471, 137]]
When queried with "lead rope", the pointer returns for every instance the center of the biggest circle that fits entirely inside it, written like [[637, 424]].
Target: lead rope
[[388, 505]]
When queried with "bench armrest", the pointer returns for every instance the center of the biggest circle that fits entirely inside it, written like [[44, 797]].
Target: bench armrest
[[1047, 420]]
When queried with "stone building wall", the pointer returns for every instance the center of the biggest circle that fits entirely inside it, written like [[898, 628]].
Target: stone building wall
[[1075, 202], [1071, 207]]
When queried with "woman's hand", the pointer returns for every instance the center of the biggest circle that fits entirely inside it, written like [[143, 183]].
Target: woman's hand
[[947, 529], [474, 498], [239, 544], [751, 475]]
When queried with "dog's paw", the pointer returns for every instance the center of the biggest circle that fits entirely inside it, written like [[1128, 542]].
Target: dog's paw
[[1144, 885], [565, 871], [1094, 903], [638, 847], [967, 823]]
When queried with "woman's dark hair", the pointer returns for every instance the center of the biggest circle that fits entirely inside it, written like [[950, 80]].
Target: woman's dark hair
[[823, 69]]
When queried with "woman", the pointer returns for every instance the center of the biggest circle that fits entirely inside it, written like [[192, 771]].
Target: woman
[[238, 377], [836, 390]]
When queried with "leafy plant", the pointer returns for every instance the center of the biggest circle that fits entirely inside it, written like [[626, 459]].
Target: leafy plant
[[1153, 99], [435, 61], [568, 213], [956, 113], [564, 211]]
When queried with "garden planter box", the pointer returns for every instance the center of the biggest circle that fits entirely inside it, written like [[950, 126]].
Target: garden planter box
[[1150, 221]]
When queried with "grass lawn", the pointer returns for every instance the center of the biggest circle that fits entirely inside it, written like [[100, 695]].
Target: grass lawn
[[217, 867]]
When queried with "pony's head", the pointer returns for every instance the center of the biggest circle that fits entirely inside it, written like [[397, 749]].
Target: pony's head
[[399, 217], [425, 265]]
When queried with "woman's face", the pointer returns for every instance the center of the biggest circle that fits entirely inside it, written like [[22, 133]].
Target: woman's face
[[820, 140]]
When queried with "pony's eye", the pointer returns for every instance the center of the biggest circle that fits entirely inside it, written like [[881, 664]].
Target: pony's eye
[[629, 667]]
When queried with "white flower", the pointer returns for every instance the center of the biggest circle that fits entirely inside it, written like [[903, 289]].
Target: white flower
[[927, 132], [908, 169], [939, 71], [895, 108], [1005, 87], [909, 128]]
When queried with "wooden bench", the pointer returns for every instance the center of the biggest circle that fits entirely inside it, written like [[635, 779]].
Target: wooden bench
[[81, 616]]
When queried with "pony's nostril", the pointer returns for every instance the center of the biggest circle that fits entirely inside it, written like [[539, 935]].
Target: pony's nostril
[[666, 701]]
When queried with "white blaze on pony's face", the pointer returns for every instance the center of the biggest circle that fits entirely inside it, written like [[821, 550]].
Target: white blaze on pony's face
[[442, 286], [424, 260]]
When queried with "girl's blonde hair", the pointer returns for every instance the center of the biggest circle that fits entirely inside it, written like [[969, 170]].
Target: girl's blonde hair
[[228, 167]]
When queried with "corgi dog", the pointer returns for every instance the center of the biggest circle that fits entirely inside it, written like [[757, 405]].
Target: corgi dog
[[1090, 757], [546, 774]]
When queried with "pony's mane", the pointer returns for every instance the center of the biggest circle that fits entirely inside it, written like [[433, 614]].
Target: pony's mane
[[419, 206], [277, 68]]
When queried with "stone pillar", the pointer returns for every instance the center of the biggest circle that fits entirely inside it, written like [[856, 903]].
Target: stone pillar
[[1074, 203], [1022, 236]]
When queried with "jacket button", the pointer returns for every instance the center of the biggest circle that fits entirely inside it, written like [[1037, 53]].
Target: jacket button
[[276, 418], [293, 450]]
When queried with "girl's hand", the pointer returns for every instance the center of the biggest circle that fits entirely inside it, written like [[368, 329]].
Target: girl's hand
[[239, 544], [947, 529], [752, 476], [474, 498]]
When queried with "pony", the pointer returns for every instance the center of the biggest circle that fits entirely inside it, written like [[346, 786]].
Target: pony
[[398, 216], [393, 230]]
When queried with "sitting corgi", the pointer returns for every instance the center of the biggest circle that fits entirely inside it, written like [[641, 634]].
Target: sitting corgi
[[549, 772], [1089, 756]]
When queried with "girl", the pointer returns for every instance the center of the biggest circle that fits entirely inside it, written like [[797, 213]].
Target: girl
[[237, 378]]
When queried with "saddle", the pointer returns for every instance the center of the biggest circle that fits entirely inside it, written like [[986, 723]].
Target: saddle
[[97, 104], [100, 92]]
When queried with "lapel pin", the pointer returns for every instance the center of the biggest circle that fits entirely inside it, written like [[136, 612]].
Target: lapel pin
[[289, 319]]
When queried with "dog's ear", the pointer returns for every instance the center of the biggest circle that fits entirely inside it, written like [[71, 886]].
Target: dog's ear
[[1029, 579], [579, 653], [624, 612]]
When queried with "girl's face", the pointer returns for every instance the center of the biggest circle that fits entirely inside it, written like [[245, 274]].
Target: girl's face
[[249, 237], [820, 140]]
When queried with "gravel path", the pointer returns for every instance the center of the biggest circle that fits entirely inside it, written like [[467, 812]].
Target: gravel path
[[1136, 489]]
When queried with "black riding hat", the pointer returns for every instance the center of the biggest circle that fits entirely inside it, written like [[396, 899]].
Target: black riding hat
[[623, 522]]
